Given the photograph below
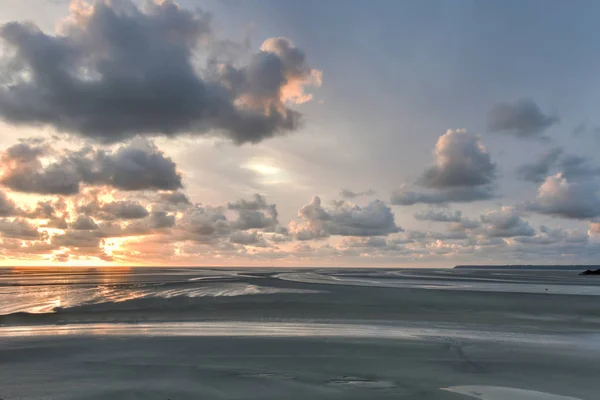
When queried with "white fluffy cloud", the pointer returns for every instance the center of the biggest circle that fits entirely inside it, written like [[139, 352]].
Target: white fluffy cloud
[[559, 197]]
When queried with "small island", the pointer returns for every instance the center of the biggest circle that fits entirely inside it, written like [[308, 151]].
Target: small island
[[591, 272]]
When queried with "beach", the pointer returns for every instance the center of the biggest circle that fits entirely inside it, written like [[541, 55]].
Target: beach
[[298, 334]]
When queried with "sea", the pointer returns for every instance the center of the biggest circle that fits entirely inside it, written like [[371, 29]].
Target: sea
[[299, 334]]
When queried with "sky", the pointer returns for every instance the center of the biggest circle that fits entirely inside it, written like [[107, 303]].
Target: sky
[[288, 133]]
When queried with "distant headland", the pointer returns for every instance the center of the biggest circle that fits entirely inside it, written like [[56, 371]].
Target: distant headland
[[532, 267]]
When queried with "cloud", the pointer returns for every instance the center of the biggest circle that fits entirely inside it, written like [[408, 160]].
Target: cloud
[[548, 236], [344, 219], [454, 195], [116, 71], [75, 239], [522, 118], [349, 194], [560, 197], [439, 216], [84, 223], [461, 160], [125, 210], [7, 206], [572, 167], [204, 224], [19, 229], [43, 210], [463, 172], [577, 167], [505, 223], [175, 198], [258, 202], [465, 224], [579, 129], [22, 170], [154, 222], [248, 239], [254, 214], [368, 242], [539, 170], [139, 165], [207, 224], [115, 210], [452, 235]]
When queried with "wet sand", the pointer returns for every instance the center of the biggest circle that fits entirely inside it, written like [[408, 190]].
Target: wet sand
[[273, 338]]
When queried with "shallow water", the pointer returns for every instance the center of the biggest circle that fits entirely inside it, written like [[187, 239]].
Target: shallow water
[[298, 334]]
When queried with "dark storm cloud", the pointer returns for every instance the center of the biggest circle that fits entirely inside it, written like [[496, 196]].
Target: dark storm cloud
[[560, 197], [344, 219], [136, 166], [349, 194], [117, 70], [439, 216], [522, 118]]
